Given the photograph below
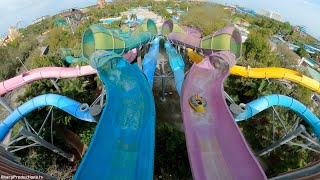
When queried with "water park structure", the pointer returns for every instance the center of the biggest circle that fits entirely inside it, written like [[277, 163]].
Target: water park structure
[[122, 146]]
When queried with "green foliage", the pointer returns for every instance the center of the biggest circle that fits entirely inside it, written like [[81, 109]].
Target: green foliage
[[59, 38], [302, 52], [289, 59], [166, 14], [170, 153], [124, 17], [45, 61], [214, 18], [258, 50], [183, 5], [40, 27], [133, 17], [21, 48], [114, 24]]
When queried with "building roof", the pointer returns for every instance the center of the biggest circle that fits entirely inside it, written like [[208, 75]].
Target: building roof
[[70, 12], [314, 74]]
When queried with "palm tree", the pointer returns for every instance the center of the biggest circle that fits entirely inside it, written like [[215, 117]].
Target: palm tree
[[133, 17]]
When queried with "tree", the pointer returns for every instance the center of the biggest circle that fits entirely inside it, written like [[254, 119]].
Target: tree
[[289, 59], [302, 52], [166, 14], [209, 18], [133, 17], [183, 5], [124, 17]]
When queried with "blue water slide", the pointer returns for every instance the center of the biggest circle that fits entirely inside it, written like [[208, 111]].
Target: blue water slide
[[150, 60], [74, 108], [311, 47], [122, 146], [256, 106], [176, 64]]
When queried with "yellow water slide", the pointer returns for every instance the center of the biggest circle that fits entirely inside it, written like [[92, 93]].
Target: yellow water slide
[[261, 73]]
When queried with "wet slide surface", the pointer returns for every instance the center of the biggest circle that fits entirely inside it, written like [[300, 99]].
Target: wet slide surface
[[122, 146], [216, 147]]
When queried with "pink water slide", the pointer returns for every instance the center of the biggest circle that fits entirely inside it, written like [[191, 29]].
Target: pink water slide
[[216, 147], [52, 72], [44, 73]]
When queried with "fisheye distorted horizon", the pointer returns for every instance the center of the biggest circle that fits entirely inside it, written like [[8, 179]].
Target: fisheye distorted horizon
[[297, 12]]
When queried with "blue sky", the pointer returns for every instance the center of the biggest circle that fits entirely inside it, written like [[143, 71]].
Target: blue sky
[[13, 11], [297, 12], [306, 12]]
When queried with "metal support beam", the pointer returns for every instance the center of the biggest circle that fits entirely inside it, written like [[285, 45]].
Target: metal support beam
[[45, 120], [95, 112], [55, 85], [164, 78], [226, 95], [139, 60], [102, 95], [44, 143], [282, 141], [4, 103], [279, 118], [23, 147]]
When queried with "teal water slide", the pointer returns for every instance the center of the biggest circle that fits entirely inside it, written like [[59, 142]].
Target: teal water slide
[[97, 37], [122, 146]]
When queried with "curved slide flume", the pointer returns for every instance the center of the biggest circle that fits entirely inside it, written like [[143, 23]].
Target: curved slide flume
[[74, 108], [176, 64], [227, 39], [44, 73], [216, 147], [270, 72], [97, 37], [277, 73], [122, 146], [256, 106], [149, 62]]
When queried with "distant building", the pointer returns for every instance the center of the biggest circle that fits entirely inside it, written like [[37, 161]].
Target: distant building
[[13, 33], [102, 3], [270, 14], [308, 62], [72, 16], [40, 19], [44, 50], [4, 41]]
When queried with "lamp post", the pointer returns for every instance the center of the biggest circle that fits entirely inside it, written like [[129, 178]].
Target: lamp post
[[22, 63]]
